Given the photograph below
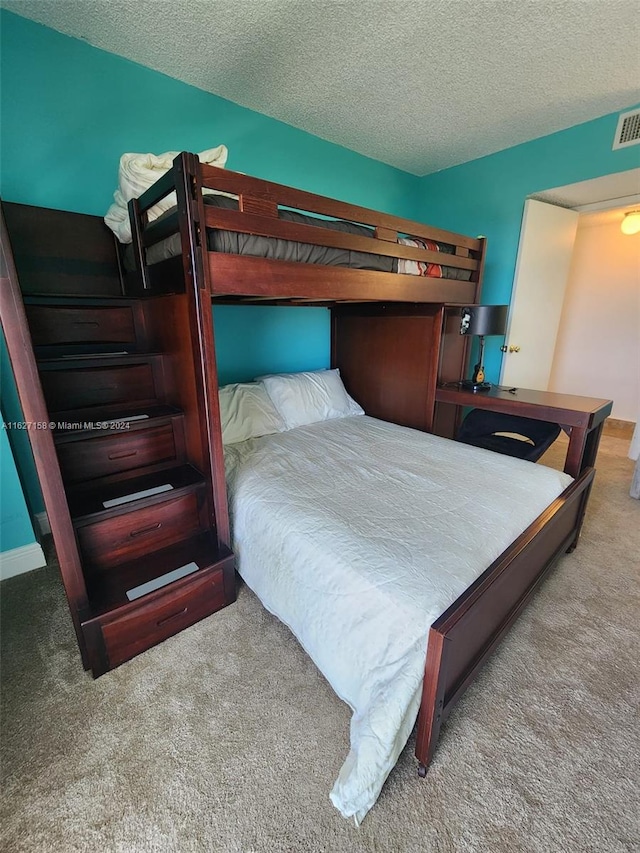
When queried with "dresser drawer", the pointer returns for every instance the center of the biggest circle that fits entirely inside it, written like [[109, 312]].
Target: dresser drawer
[[97, 386], [133, 534], [60, 324], [167, 614], [113, 454]]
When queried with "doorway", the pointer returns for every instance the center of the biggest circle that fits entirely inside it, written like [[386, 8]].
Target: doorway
[[550, 222]]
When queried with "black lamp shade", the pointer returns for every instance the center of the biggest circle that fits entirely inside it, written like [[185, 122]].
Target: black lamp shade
[[484, 320]]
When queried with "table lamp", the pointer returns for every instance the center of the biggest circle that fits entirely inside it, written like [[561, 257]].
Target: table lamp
[[482, 320]]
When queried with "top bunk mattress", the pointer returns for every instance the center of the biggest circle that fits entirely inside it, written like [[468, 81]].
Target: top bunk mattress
[[358, 534], [236, 243]]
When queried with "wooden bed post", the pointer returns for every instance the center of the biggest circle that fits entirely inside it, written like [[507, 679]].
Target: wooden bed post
[[196, 272], [432, 703]]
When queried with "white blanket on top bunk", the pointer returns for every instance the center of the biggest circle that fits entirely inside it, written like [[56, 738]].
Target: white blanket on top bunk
[[358, 534], [138, 172]]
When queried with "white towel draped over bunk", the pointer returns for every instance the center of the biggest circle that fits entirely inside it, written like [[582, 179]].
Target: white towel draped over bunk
[[137, 172]]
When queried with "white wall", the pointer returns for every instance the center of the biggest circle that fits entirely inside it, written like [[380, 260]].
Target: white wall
[[598, 346]]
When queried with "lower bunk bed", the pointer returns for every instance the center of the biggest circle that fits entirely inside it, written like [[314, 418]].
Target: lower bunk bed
[[382, 547]]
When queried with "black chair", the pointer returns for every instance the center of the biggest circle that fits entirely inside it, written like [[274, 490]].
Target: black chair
[[479, 428]]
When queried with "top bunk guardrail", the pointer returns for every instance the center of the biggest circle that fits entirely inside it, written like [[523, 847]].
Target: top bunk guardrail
[[251, 248]]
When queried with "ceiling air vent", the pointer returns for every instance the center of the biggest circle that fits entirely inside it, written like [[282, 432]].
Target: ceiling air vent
[[628, 130]]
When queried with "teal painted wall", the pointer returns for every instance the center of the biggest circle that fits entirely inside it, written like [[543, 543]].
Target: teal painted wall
[[486, 196], [70, 110], [18, 439], [15, 525], [306, 331]]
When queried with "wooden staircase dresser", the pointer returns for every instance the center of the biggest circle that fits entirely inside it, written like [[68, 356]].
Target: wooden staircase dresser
[[119, 395]]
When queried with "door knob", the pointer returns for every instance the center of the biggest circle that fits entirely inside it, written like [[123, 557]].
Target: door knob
[[513, 348]]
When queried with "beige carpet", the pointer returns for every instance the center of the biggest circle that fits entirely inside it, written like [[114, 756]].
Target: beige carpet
[[226, 738]]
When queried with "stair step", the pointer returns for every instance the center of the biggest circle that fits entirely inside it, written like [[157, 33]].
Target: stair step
[[87, 502], [100, 382], [66, 352], [80, 301], [60, 330], [108, 590], [75, 361], [89, 423]]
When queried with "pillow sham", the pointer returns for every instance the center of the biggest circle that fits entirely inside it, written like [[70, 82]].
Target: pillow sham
[[247, 412], [309, 397]]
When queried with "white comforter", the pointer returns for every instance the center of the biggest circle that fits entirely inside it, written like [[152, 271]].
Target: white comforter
[[138, 172], [358, 534]]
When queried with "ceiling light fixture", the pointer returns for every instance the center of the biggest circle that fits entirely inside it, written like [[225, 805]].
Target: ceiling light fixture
[[631, 222]]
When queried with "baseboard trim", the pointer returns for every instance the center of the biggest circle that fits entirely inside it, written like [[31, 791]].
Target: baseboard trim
[[21, 560], [618, 428]]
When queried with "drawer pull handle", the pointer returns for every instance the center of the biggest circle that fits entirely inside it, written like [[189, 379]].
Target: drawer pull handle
[[169, 618], [146, 529], [124, 455], [85, 323]]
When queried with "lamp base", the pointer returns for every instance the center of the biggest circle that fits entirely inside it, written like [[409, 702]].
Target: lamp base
[[470, 385]]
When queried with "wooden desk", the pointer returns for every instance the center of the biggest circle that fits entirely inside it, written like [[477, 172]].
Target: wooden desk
[[581, 417]]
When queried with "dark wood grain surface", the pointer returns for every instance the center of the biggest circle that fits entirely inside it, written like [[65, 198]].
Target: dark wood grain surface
[[91, 362], [583, 417], [566, 409]]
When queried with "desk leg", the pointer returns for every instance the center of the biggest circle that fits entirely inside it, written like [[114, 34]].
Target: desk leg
[[575, 452], [446, 420], [583, 448], [591, 450]]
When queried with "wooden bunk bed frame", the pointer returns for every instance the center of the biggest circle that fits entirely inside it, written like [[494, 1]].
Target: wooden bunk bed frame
[[466, 634], [245, 278], [372, 305]]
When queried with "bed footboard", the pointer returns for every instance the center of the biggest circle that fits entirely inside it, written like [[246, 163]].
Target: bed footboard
[[466, 634]]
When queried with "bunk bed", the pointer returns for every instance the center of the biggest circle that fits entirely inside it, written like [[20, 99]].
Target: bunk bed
[[363, 301], [395, 336]]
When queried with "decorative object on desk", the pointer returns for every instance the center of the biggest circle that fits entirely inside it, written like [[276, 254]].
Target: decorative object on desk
[[482, 320], [631, 222]]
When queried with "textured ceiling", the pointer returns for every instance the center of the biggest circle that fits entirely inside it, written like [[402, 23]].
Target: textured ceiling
[[419, 84]]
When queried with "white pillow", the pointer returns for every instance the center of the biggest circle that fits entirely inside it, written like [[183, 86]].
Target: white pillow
[[305, 398], [247, 412]]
